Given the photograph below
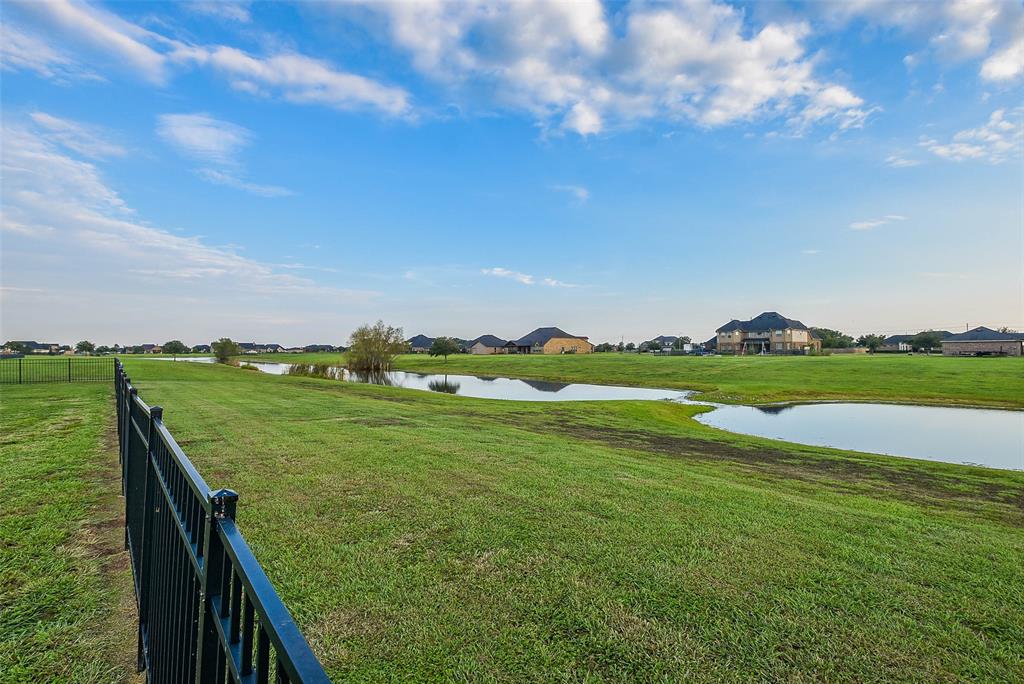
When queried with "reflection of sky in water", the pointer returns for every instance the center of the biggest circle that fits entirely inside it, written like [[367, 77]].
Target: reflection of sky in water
[[981, 436], [955, 435]]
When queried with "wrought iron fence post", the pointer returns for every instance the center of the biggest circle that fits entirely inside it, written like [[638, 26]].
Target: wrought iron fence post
[[19, 370], [69, 369], [210, 659], [149, 501]]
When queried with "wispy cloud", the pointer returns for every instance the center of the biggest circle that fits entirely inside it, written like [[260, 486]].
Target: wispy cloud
[[230, 10], [871, 224], [203, 137], [524, 278], [226, 178], [77, 137], [21, 51], [898, 162], [578, 192], [810, 252], [217, 143], [999, 140]]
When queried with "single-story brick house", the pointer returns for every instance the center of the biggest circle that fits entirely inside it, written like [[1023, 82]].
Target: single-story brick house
[[550, 340], [768, 333], [901, 343], [420, 344], [487, 344], [983, 341]]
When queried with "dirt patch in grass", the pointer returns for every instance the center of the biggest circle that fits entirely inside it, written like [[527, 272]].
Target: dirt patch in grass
[[846, 474]]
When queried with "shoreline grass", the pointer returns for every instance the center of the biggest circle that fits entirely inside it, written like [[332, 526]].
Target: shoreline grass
[[925, 380]]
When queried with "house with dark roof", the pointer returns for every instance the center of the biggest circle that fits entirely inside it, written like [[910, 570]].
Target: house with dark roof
[[201, 349], [659, 343], [768, 333], [259, 348], [420, 344], [486, 344], [549, 340], [982, 341], [901, 343], [34, 347]]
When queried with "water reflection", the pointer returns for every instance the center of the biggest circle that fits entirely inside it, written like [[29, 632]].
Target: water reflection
[[446, 386]]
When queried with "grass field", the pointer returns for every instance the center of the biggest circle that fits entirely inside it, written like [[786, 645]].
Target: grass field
[[993, 382], [66, 605], [418, 537]]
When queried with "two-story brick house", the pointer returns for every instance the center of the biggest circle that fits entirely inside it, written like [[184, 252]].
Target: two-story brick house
[[769, 333]]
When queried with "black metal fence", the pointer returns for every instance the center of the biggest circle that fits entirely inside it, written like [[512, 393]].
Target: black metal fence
[[207, 612], [26, 370]]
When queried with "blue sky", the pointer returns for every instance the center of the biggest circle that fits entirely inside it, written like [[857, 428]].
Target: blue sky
[[285, 172]]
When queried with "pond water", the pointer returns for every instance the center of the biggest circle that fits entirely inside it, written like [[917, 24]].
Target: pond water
[[954, 435]]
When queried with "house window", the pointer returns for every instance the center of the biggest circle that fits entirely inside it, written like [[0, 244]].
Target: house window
[[778, 346], [778, 333]]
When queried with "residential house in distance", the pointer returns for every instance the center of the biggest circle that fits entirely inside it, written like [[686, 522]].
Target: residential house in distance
[[550, 340], [768, 333], [660, 343], [319, 348], [420, 344], [901, 343], [257, 348], [982, 341], [34, 347], [201, 349], [487, 344], [152, 348]]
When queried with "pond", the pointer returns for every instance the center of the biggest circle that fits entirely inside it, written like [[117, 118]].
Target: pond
[[986, 437]]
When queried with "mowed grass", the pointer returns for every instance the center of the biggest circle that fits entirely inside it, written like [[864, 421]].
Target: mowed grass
[[920, 379], [426, 537], [66, 605]]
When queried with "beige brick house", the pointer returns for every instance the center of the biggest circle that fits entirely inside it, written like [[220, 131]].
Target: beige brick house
[[550, 341], [984, 341], [769, 333]]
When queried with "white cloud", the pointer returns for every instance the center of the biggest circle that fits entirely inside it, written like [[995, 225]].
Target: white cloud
[[956, 29], [230, 10], [95, 243], [1005, 65], [563, 62], [213, 141], [23, 51], [810, 252], [203, 137], [898, 162], [153, 56], [506, 273], [524, 278], [998, 140], [106, 33], [77, 137], [579, 193], [871, 224], [221, 177]]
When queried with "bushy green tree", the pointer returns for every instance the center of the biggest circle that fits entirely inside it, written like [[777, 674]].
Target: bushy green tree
[[833, 339], [17, 347], [224, 349], [444, 346], [175, 347], [85, 347], [373, 348], [926, 340], [872, 342]]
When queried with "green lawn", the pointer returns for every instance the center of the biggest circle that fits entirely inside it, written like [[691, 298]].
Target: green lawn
[[994, 382], [66, 603], [425, 537]]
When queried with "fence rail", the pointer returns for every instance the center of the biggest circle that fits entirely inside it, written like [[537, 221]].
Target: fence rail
[[25, 371], [207, 612]]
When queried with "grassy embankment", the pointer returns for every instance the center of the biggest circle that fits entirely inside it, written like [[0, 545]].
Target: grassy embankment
[[419, 537], [993, 382], [66, 606]]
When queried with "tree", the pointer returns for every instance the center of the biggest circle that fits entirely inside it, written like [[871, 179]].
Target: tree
[[1006, 329], [926, 340], [224, 349], [872, 342], [833, 339], [175, 347], [138, 349], [630, 346], [374, 347], [103, 349], [604, 347], [681, 343], [85, 347], [620, 347], [17, 347], [443, 346]]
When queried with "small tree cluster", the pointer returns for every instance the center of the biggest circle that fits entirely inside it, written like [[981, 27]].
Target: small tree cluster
[[444, 346], [833, 339], [373, 348], [224, 349]]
